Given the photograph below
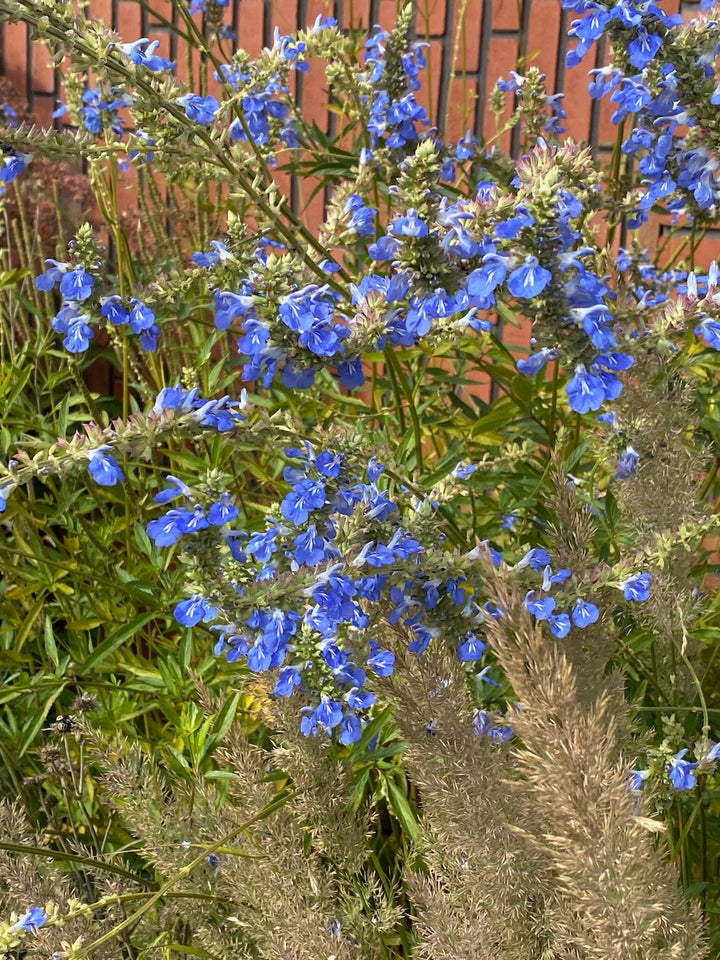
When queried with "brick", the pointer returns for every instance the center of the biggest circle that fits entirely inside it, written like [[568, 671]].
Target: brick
[[462, 103], [430, 18], [102, 10], [285, 16], [502, 55], [505, 15], [577, 104], [430, 80], [543, 37], [129, 20], [312, 211], [387, 15], [15, 67], [318, 8], [314, 99], [357, 14], [479, 386], [251, 20], [43, 107], [607, 130]]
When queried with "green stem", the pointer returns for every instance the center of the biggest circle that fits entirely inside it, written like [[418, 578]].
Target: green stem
[[615, 179], [396, 366]]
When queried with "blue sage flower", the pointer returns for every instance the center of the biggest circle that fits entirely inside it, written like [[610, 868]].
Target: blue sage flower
[[529, 280], [142, 53], [32, 920], [540, 608], [202, 110], [192, 611], [76, 284], [584, 613], [637, 587], [585, 391], [104, 468], [682, 772]]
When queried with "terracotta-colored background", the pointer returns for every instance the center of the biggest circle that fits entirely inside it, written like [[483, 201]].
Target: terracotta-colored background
[[471, 44]]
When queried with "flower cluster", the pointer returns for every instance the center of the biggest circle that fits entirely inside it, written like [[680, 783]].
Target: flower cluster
[[14, 163], [82, 306], [394, 66], [337, 558]]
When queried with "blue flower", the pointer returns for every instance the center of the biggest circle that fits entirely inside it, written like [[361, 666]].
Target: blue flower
[[628, 463], [528, 280], [310, 547], [585, 391], [350, 732], [637, 779], [537, 558], [196, 520], [147, 57], [540, 608], [113, 310], [637, 587], [410, 226], [643, 49], [329, 464], [472, 648], [47, 280], [141, 317], [710, 330], [549, 578], [32, 920], [200, 109], [13, 166], [584, 613], [223, 511], [464, 470], [219, 253], [79, 335], [384, 248], [382, 662], [351, 373], [176, 489], [168, 529], [536, 361], [306, 496], [197, 608], [105, 469], [262, 545], [287, 681], [482, 282], [359, 700], [681, 772], [559, 625], [327, 714], [77, 284]]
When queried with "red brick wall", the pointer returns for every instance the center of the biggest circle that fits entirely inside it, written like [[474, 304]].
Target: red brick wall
[[471, 44]]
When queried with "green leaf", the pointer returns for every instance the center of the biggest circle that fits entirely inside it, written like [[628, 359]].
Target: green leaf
[[401, 808], [49, 640], [116, 640], [38, 719], [28, 623]]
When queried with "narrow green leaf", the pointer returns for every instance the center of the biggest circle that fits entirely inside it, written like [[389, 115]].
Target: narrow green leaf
[[50, 646], [402, 810], [27, 624], [38, 719], [116, 640]]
